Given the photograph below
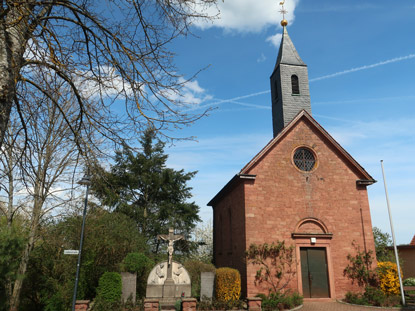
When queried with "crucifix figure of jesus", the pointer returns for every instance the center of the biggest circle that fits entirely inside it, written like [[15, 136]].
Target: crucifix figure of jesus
[[171, 238]]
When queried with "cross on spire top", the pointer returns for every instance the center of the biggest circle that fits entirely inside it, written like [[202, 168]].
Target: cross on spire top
[[283, 11]]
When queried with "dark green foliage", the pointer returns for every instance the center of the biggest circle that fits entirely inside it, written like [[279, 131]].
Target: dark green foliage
[[281, 301], [409, 282], [141, 186], [11, 246], [50, 279], [207, 305], [141, 265], [360, 269], [102, 305], [195, 268], [382, 241], [109, 287], [137, 263], [275, 263], [178, 305], [372, 297]]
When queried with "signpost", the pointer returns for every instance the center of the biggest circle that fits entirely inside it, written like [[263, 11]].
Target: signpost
[[71, 252]]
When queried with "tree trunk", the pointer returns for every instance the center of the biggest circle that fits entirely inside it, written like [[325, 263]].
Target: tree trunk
[[13, 29], [37, 210], [7, 85]]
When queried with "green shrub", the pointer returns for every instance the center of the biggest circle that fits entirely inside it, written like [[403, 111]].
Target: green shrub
[[102, 305], [141, 265], [227, 284], [372, 297], [136, 263], [409, 282], [109, 287], [208, 305], [195, 268], [356, 299], [280, 301]]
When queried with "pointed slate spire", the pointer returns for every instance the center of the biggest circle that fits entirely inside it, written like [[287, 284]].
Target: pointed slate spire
[[289, 85], [287, 53]]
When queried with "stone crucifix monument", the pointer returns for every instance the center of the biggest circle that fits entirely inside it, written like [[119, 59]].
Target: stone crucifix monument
[[168, 280]]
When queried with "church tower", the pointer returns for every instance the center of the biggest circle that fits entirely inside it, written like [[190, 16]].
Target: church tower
[[289, 84]]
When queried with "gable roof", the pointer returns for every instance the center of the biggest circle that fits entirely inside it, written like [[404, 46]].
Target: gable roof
[[304, 114], [244, 173]]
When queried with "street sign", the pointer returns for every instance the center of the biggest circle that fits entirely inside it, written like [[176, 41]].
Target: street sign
[[71, 252]]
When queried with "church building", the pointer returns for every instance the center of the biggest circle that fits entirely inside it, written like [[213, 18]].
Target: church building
[[302, 188]]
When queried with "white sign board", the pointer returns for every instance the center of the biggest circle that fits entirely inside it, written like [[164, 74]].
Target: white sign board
[[71, 252]]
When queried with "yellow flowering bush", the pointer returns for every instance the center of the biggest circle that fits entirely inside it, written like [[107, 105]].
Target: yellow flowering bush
[[388, 277], [227, 284]]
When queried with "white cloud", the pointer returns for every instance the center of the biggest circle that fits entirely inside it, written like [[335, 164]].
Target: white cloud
[[191, 93], [261, 58], [275, 40], [248, 15]]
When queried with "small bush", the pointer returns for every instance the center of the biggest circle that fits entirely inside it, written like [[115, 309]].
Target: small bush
[[207, 305], [388, 277], [360, 270], [356, 299], [409, 282], [372, 297], [281, 301], [109, 287], [227, 284], [136, 263]]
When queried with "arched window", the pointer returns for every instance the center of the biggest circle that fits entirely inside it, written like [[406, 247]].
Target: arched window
[[294, 84]]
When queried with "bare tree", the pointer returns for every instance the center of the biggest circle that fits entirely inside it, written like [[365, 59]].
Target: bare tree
[[39, 158], [115, 52]]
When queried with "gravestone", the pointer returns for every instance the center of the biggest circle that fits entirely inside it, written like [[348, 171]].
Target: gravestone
[[129, 285], [207, 284], [168, 280]]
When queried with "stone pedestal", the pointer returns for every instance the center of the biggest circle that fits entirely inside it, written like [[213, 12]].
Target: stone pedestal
[[168, 283], [82, 305], [188, 304], [169, 289], [151, 305], [254, 303]]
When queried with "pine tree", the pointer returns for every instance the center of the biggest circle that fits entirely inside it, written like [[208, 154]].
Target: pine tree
[[142, 187]]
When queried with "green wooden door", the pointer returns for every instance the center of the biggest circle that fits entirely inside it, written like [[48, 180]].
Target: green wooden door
[[314, 272]]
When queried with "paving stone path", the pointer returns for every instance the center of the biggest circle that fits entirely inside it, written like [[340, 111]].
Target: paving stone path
[[338, 306]]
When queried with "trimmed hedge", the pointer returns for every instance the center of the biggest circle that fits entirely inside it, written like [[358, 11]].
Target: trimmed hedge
[[227, 284]]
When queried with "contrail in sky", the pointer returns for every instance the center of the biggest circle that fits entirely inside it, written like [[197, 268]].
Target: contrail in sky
[[393, 60]]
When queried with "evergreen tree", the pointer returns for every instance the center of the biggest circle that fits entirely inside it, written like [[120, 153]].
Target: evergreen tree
[[142, 187]]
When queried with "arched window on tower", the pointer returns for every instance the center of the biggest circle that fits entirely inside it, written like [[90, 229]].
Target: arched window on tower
[[295, 85]]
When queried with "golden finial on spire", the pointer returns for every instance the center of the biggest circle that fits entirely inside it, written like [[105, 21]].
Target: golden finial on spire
[[283, 11]]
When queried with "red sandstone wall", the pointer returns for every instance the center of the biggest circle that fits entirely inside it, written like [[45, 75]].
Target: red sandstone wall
[[408, 258], [282, 195], [229, 232]]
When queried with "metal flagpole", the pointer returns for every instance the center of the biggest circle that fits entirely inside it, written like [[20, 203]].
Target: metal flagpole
[[393, 235]]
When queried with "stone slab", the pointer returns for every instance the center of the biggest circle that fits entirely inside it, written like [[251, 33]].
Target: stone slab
[[129, 286], [207, 284]]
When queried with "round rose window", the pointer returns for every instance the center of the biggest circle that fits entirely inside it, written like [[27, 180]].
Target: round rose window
[[304, 159]]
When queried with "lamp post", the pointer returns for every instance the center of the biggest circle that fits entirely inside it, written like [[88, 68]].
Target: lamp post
[[86, 181]]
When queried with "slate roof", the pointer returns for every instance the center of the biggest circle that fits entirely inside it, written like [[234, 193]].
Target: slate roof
[[288, 54]]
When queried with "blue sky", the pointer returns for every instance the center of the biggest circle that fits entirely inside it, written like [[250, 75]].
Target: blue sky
[[361, 65]]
